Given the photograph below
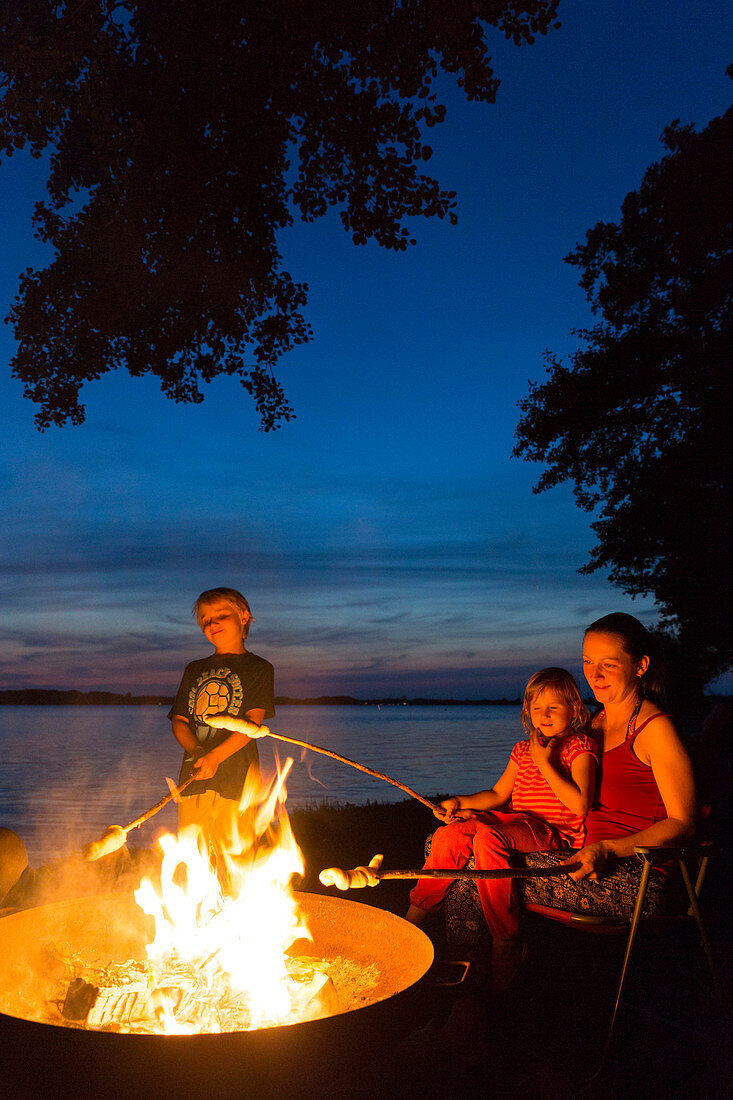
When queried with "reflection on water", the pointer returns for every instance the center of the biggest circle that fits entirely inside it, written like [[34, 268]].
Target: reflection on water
[[66, 773]]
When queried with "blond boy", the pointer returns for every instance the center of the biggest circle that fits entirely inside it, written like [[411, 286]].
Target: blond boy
[[230, 681]]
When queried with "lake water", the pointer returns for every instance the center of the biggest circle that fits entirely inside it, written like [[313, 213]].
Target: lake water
[[66, 773]]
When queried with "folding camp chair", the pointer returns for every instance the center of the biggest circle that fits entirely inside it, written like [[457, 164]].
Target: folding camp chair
[[684, 856], [464, 920]]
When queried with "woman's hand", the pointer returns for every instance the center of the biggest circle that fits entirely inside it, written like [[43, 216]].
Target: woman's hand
[[593, 861]]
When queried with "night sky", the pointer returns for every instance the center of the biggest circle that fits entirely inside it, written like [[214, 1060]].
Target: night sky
[[387, 541]]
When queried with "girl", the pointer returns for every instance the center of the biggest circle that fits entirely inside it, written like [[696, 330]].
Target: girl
[[544, 795]]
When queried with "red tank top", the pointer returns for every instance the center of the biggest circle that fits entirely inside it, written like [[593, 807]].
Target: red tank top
[[628, 798]]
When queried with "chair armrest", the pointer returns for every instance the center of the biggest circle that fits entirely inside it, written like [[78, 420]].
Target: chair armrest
[[658, 854]]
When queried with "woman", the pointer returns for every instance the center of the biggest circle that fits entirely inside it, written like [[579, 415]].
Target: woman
[[646, 794]]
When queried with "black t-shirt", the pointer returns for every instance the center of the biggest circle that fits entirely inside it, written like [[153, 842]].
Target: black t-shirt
[[231, 683]]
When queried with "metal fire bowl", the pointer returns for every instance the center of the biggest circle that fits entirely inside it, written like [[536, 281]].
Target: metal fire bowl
[[41, 1059]]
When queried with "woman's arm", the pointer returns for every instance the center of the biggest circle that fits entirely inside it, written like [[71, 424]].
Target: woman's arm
[[575, 792], [496, 796], [658, 746]]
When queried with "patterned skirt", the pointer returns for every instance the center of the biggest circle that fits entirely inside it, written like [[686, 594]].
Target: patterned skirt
[[612, 896]]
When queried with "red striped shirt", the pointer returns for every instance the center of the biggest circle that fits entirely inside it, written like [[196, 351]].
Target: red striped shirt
[[533, 795]]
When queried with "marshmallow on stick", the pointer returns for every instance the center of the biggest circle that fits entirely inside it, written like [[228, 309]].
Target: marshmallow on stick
[[237, 725], [355, 879]]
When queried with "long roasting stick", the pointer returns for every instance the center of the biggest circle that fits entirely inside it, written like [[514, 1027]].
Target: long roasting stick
[[468, 872], [241, 725], [115, 836], [371, 875]]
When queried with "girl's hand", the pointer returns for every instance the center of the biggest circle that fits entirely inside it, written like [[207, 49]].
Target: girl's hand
[[540, 748], [447, 810]]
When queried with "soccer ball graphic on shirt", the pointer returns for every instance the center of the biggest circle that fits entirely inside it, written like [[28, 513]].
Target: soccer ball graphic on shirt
[[213, 697]]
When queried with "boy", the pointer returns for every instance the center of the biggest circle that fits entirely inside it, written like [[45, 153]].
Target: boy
[[232, 681]]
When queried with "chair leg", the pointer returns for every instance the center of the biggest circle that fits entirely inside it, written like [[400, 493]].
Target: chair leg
[[641, 894], [695, 910], [701, 872]]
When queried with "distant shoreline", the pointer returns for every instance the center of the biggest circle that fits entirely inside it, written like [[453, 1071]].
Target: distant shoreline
[[49, 697], [46, 697]]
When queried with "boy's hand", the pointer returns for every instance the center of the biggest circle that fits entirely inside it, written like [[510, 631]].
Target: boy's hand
[[540, 748], [204, 767], [238, 725]]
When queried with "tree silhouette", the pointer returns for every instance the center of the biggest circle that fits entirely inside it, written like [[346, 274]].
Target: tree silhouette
[[184, 136], [639, 421]]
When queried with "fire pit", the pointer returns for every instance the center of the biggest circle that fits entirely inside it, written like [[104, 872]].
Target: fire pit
[[42, 1058], [214, 978]]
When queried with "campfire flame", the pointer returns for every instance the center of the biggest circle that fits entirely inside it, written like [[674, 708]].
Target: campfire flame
[[223, 930]]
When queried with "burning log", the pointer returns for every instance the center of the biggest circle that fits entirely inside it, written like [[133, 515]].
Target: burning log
[[127, 1001], [79, 1000], [114, 1008]]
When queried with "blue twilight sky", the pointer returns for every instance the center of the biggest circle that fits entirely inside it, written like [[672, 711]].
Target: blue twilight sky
[[386, 539]]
